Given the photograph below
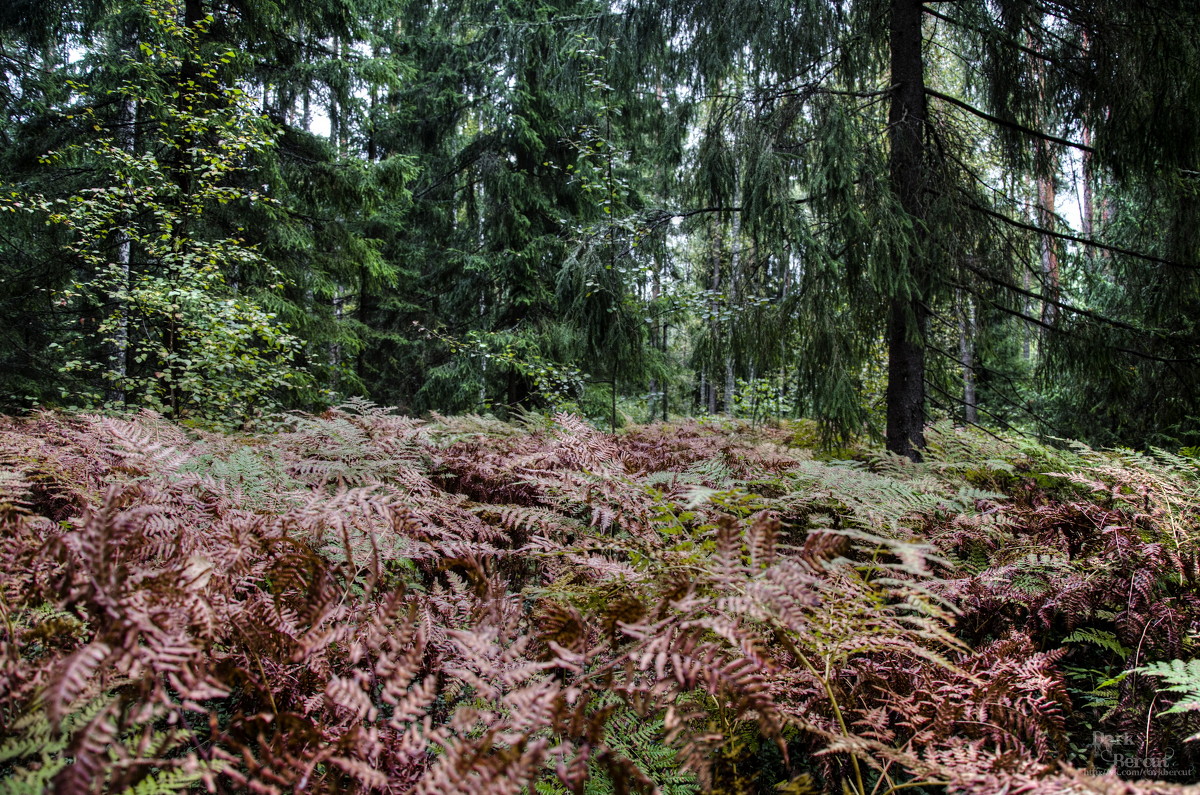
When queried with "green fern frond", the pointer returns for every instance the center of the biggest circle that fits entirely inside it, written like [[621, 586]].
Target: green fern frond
[[32, 779], [35, 753], [1183, 677], [169, 782], [1099, 637]]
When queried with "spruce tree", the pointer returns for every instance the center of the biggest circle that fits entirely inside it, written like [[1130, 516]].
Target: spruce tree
[[892, 214]]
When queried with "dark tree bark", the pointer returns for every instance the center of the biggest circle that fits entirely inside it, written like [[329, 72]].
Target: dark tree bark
[[907, 323], [908, 316]]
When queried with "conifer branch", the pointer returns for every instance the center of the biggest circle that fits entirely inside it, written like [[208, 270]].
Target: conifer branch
[[1056, 329], [1008, 42], [1012, 125]]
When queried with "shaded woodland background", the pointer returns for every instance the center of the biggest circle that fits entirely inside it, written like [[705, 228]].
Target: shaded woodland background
[[764, 209]]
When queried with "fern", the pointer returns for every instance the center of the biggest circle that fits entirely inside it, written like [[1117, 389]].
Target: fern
[[1101, 638], [364, 601], [1182, 677], [172, 781], [39, 752], [33, 734]]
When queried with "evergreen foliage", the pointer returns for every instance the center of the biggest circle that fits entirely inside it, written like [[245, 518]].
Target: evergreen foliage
[[850, 213]]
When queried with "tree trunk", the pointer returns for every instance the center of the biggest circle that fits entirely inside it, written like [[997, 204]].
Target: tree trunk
[[118, 343], [335, 108], [1047, 189], [730, 385], [1046, 217], [655, 293], [907, 324], [373, 119], [908, 316], [1087, 210], [715, 303], [731, 292], [613, 420], [966, 355], [666, 382]]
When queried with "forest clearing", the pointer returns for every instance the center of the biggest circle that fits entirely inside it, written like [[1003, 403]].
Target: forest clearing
[[363, 602]]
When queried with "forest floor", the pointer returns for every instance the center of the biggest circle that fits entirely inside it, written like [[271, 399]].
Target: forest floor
[[359, 601]]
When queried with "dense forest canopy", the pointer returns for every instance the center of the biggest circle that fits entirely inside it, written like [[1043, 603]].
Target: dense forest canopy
[[875, 213]]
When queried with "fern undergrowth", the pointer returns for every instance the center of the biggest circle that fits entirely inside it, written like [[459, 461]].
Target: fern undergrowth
[[364, 602]]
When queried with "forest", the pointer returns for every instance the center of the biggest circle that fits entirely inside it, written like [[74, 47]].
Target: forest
[[582, 396]]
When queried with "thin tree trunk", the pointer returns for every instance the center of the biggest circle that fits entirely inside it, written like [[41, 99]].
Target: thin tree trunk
[[337, 135], [119, 341], [966, 355], [366, 314], [753, 397], [786, 268], [730, 385], [1087, 212], [660, 263], [1047, 162], [655, 293], [908, 317], [731, 291], [1026, 331], [335, 347], [335, 110], [373, 119], [367, 303], [613, 420], [1046, 195], [666, 381], [714, 285]]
